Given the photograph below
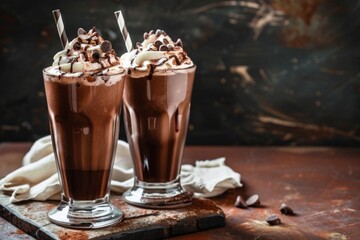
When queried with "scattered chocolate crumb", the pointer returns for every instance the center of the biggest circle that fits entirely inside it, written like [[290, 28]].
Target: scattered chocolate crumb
[[273, 220], [240, 203], [253, 201], [284, 209]]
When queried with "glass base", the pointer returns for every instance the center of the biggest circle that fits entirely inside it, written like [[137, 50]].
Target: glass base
[[85, 214], [158, 195]]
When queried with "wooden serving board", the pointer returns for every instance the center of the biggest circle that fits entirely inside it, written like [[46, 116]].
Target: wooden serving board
[[138, 223]]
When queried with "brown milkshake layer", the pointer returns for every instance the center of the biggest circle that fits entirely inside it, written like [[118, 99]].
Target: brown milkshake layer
[[156, 114], [157, 96], [84, 125]]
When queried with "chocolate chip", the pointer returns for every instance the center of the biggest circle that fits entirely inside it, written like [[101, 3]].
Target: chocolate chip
[[81, 31], [146, 35], [77, 46], [106, 46], [151, 32], [179, 43], [273, 219], [253, 201], [163, 48], [158, 33], [95, 56], [170, 47], [240, 203], [158, 43], [284, 209]]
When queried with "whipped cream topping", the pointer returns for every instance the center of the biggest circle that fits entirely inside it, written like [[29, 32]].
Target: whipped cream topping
[[87, 54], [157, 53]]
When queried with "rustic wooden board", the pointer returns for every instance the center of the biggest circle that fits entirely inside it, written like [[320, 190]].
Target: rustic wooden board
[[139, 223]]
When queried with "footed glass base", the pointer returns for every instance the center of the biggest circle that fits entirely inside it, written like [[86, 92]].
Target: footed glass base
[[158, 195], [85, 214]]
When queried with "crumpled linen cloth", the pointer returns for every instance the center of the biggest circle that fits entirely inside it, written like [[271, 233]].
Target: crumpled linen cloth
[[37, 179]]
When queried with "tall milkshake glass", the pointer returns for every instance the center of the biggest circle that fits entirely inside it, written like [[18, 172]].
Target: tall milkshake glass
[[84, 90], [157, 97]]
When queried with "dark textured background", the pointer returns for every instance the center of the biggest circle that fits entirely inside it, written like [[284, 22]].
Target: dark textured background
[[277, 72]]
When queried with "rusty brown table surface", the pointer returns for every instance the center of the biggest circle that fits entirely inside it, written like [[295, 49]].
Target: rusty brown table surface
[[322, 185]]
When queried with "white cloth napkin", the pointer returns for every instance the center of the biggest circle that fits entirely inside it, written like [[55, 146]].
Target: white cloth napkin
[[37, 178]]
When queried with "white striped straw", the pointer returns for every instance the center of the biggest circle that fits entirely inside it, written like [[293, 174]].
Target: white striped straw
[[60, 27], [124, 31]]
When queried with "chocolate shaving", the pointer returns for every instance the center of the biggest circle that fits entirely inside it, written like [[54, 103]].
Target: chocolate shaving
[[151, 32], [166, 41], [106, 46]]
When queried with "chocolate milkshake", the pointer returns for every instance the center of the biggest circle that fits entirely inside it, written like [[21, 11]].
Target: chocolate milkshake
[[84, 90], [157, 98]]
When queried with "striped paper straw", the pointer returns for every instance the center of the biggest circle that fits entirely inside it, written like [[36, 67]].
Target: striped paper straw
[[124, 31], [60, 27]]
